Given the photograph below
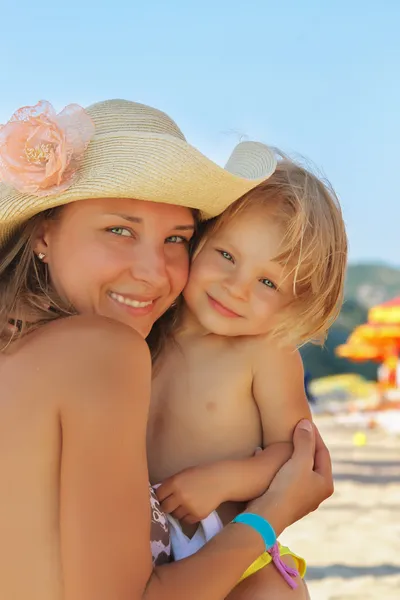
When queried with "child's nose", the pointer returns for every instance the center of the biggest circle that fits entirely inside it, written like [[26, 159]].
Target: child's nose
[[238, 287]]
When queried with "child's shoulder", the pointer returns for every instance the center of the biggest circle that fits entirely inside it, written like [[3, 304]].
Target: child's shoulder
[[268, 354]]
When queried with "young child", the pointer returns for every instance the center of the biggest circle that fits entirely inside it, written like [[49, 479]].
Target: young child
[[267, 276]]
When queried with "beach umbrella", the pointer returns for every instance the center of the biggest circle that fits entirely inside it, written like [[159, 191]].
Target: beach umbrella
[[375, 342], [387, 313], [359, 352], [379, 334]]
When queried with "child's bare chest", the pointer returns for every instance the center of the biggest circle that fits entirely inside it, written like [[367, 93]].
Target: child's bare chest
[[202, 410]]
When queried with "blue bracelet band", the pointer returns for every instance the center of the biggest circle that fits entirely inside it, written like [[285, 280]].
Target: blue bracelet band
[[261, 525]]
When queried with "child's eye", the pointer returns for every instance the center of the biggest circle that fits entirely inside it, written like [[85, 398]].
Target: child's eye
[[122, 231], [268, 283], [226, 255], [176, 239]]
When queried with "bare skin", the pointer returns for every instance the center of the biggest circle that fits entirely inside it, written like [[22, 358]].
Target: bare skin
[[78, 436], [47, 426], [75, 515], [267, 584], [186, 415], [223, 387]]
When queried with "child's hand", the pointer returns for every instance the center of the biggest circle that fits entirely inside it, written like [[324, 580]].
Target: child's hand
[[193, 494]]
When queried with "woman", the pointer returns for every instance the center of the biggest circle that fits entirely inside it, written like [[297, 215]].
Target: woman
[[75, 240]]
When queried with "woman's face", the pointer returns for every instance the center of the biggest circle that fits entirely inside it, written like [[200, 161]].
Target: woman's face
[[120, 258]]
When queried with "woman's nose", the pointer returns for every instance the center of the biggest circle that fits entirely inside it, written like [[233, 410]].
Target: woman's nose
[[150, 266]]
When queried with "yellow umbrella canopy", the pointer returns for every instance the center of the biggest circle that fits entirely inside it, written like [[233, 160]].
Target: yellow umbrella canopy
[[358, 351], [381, 334], [379, 338], [386, 313], [371, 342]]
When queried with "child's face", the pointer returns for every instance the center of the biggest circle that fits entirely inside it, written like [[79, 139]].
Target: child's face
[[235, 285]]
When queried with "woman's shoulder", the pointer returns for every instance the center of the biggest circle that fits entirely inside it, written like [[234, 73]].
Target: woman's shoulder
[[84, 351], [76, 362], [85, 336], [93, 339], [84, 325]]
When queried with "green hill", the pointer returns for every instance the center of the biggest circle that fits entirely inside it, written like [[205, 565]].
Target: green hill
[[366, 285], [370, 284]]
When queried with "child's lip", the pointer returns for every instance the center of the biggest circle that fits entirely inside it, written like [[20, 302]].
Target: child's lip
[[222, 308]]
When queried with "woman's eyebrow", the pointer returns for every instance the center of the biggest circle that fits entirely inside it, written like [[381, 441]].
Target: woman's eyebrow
[[184, 227], [132, 219]]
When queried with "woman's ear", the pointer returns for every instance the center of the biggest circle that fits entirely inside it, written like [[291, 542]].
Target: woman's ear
[[40, 244]]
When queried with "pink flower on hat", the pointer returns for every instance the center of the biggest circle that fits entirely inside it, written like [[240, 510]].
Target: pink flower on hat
[[40, 151]]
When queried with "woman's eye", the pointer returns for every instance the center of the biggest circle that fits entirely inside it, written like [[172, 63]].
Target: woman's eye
[[226, 255], [176, 239], [268, 283], [122, 231]]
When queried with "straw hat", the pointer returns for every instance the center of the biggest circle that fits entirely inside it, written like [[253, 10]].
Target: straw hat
[[135, 152]]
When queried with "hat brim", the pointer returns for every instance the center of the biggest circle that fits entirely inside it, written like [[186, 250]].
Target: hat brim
[[143, 166]]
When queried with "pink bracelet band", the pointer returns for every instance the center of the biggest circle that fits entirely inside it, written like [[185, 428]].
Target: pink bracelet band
[[287, 572]]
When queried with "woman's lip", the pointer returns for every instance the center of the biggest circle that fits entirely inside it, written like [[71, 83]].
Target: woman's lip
[[132, 310], [131, 297], [223, 310]]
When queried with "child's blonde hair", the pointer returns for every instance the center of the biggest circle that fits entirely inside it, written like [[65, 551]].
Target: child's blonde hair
[[313, 249]]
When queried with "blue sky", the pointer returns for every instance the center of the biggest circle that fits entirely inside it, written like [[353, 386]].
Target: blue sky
[[318, 78]]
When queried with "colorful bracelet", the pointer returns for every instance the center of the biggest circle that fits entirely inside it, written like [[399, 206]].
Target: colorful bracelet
[[260, 525], [268, 534]]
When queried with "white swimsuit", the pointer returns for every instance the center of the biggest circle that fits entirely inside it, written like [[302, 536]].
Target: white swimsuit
[[182, 546]]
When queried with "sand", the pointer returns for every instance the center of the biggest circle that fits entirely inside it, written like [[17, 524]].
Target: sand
[[352, 543]]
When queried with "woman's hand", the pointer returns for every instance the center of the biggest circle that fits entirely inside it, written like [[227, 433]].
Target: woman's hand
[[303, 482]]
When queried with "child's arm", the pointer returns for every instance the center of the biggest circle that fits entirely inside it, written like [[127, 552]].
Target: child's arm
[[278, 389], [194, 493], [248, 478]]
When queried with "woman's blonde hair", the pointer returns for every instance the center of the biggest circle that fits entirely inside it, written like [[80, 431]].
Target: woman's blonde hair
[[313, 249], [27, 298]]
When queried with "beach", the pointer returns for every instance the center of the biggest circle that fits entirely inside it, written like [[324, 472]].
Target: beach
[[352, 542]]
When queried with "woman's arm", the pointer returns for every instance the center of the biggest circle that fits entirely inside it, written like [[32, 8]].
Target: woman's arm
[[214, 570], [102, 380], [298, 488], [103, 385], [193, 494]]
